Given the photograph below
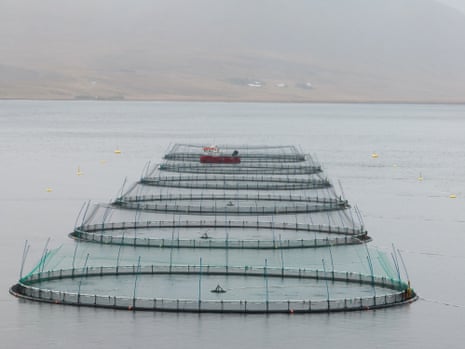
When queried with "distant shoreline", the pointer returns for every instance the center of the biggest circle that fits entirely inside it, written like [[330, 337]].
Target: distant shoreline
[[219, 100]]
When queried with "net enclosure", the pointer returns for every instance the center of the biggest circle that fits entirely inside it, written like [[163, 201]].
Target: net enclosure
[[222, 228]]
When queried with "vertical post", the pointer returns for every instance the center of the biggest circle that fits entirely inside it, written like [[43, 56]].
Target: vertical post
[[272, 230], [179, 226], [265, 271], [171, 249], [119, 253], [396, 263], [122, 187], [135, 284], [397, 269], [326, 282], [79, 215], [145, 170], [137, 215], [104, 218], [372, 274], [23, 259], [200, 283], [227, 240], [370, 265], [80, 280], [85, 213], [282, 255], [332, 262], [85, 262], [360, 218], [403, 264], [44, 256], [408, 291], [74, 256]]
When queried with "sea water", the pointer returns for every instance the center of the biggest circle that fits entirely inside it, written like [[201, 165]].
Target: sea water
[[403, 194]]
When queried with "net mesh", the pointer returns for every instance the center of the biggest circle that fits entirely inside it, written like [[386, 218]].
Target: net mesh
[[266, 234]]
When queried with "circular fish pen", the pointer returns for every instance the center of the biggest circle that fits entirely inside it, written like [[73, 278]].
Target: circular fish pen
[[210, 234], [205, 288], [254, 230], [256, 183], [239, 169]]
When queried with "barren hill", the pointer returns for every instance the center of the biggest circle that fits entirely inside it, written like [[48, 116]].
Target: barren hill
[[261, 50]]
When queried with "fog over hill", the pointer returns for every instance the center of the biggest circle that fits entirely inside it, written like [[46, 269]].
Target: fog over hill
[[261, 50]]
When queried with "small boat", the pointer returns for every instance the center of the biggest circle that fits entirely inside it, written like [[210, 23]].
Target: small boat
[[215, 157], [212, 159]]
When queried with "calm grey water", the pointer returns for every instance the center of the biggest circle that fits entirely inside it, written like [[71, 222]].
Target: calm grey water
[[42, 144]]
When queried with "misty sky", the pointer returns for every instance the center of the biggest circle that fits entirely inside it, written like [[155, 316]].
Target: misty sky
[[458, 4], [154, 48]]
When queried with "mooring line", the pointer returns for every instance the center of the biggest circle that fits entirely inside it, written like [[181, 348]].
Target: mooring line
[[442, 302]]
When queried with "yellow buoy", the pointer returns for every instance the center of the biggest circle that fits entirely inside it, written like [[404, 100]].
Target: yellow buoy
[[452, 196], [103, 162], [48, 190], [117, 151], [374, 155], [420, 177], [79, 172]]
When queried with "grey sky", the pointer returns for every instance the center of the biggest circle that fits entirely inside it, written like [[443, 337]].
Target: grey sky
[[152, 47], [458, 4]]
